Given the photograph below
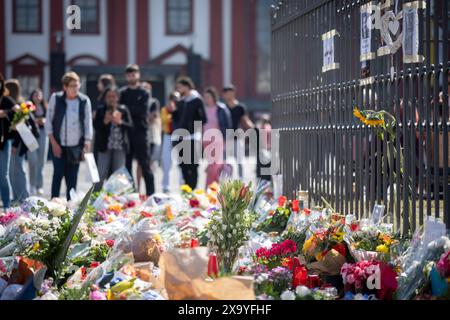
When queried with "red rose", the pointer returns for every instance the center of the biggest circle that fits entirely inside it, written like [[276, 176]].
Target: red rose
[[197, 214], [94, 264], [340, 247], [282, 201], [194, 203], [110, 243], [194, 243], [146, 214], [131, 204], [354, 226], [83, 273], [307, 212]]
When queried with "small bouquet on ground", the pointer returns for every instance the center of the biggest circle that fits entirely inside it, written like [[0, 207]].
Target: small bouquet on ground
[[371, 244], [229, 226], [277, 219], [370, 277], [23, 114], [279, 254]]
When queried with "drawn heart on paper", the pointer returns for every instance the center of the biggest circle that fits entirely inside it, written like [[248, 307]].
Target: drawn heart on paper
[[394, 25], [390, 25]]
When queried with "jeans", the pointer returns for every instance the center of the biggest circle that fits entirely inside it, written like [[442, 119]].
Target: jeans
[[18, 177], [139, 148], [166, 161], [63, 169], [5, 160], [109, 162], [37, 160]]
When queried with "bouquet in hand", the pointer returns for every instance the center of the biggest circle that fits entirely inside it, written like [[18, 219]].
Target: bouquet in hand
[[26, 108]]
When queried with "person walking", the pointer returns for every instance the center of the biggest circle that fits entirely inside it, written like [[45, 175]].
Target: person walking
[[19, 183], [37, 158], [111, 125], [70, 130], [241, 119], [219, 118], [154, 132], [137, 100], [167, 128], [189, 109], [7, 107]]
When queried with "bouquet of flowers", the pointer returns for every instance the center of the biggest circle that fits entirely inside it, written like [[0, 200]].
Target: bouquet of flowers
[[273, 283], [229, 226], [279, 254], [368, 277], [277, 219], [26, 108], [371, 243]]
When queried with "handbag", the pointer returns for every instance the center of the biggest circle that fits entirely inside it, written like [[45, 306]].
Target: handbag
[[74, 154]]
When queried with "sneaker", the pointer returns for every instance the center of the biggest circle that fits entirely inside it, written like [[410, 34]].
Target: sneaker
[[40, 192]]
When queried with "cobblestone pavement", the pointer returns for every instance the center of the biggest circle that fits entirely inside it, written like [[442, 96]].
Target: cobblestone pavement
[[175, 177]]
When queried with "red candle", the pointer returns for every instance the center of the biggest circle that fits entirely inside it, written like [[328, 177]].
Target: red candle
[[194, 243], [213, 271], [313, 281]]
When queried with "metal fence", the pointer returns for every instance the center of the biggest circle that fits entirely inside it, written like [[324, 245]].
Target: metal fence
[[326, 150]]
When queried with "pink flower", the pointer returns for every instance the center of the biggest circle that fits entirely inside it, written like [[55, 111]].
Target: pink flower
[[443, 265], [110, 243], [97, 295]]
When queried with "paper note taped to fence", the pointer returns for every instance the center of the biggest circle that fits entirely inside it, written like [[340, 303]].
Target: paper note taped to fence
[[92, 167]]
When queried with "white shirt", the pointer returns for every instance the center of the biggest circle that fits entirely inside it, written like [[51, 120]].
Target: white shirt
[[70, 133]]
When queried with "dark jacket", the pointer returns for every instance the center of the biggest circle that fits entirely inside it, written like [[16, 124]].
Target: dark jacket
[[102, 131], [189, 110], [60, 113], [224, 116], [6, 103]]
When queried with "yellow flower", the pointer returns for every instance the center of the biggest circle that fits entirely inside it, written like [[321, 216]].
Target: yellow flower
[[374, 122], [199, 192], [339, 236], [358, 114], [169, 213], [185, 188], [382, 248], [157, 238], [307, 245], [109, 295], [319, 256], [36, 247]]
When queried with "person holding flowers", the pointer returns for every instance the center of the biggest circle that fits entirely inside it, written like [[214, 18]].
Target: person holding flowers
[[7, 107], [19, 181]]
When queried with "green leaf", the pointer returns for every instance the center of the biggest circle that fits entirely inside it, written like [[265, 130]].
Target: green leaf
[[62, 251]]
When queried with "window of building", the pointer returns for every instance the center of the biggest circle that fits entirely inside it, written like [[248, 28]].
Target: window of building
[[263, 36], [27, 16], [90, 16], [179, 17]]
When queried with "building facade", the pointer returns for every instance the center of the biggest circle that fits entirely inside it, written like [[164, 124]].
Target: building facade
[[231, 39]]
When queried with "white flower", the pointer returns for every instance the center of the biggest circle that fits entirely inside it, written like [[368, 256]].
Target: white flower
[[302, 291], [287, 295], [56, 209], [230, 236]]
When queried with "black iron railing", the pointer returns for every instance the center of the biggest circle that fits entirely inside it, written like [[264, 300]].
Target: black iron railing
[[324, 148]]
